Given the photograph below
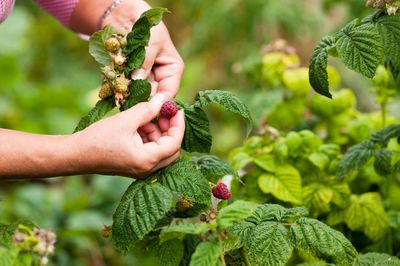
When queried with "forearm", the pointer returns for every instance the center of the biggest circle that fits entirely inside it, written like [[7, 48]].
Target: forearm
[[24, 155], [87, 13]]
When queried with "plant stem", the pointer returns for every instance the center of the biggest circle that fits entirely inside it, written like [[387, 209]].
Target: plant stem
[[244, 256]]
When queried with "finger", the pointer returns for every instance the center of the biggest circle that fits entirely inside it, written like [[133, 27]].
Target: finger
[[153, 83], [171, 140], [168, 71], [148, 63], [142, 113], [163, 124], [167, 161], [151, 131]]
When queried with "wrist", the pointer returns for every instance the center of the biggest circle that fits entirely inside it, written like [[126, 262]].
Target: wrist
[[125, 14]]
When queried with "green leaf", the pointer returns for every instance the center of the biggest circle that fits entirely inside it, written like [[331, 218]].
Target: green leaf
[[242, 230], [355, 158], [266, 162], [384, 135], [317, 197], [269, 244], [206, 254], [140, 33], [284, 184], [101, 108], [8, 256], [135, 60], [274, 212], [318, 74], [320, 240], [139, 91], [365, 213], [154, 15], [96, 45], [24, 259], [360, 48], [183, 178], [170, 253], [389, 29], [181, 230], [376, 259], [138, 37], [234, 213], [197, 136], [382, 164], [212, 167], [138, 212], [226, 100]]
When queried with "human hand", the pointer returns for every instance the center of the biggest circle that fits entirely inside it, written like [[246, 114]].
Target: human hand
[[162, 66], [128, 144]]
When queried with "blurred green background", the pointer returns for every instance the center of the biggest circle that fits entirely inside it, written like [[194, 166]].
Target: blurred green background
[[48, 81]]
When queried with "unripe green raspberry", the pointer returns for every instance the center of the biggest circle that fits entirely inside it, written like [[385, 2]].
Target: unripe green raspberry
[[112, 44], [109, 72], [105, 91], [119, 60], [183, 204], [121, 84]]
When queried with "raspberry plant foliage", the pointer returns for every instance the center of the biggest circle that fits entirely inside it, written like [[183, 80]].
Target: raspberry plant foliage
[[362, 45], [150, 212]]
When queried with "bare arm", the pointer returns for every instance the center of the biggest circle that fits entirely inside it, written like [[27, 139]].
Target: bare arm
[[125, 144]]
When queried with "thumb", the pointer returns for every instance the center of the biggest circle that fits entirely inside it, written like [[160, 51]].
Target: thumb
[[144, 112]]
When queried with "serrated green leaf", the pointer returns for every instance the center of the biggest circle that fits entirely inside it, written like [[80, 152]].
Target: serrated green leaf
[[355, 158], [242, 230], [382, 163], [154, 15], [8, 256], [101, 108], [318, 74], [197, 136], [206, 254], [360, 48], [138, 37], [366, 214], [266, 162], [226, 100], [180, 231], [170, 253], [269, 244], [23, 259], [317, 197], [135, 60], [335, 217], [389, 29], [320, 240], [183, 178], [376, 259], [284, 184], [341, 194], [384, 135], [138, 212], [212, 167], [274, 212], [96, 45], [139, 91], [234, 213]]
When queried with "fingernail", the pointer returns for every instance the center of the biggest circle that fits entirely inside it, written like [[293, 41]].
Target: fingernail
[[157, 99], [138, 74]]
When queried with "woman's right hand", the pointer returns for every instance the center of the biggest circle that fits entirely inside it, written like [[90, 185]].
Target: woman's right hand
[[128, 144]]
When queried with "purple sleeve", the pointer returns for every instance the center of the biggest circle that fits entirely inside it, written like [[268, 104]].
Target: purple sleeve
[[60, 9]]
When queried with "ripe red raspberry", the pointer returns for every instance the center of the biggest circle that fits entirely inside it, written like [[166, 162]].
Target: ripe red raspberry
[[169, 109], [221, 191]]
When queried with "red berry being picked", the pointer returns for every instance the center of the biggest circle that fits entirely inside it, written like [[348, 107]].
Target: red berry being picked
[[169, 109], [221, 191]]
